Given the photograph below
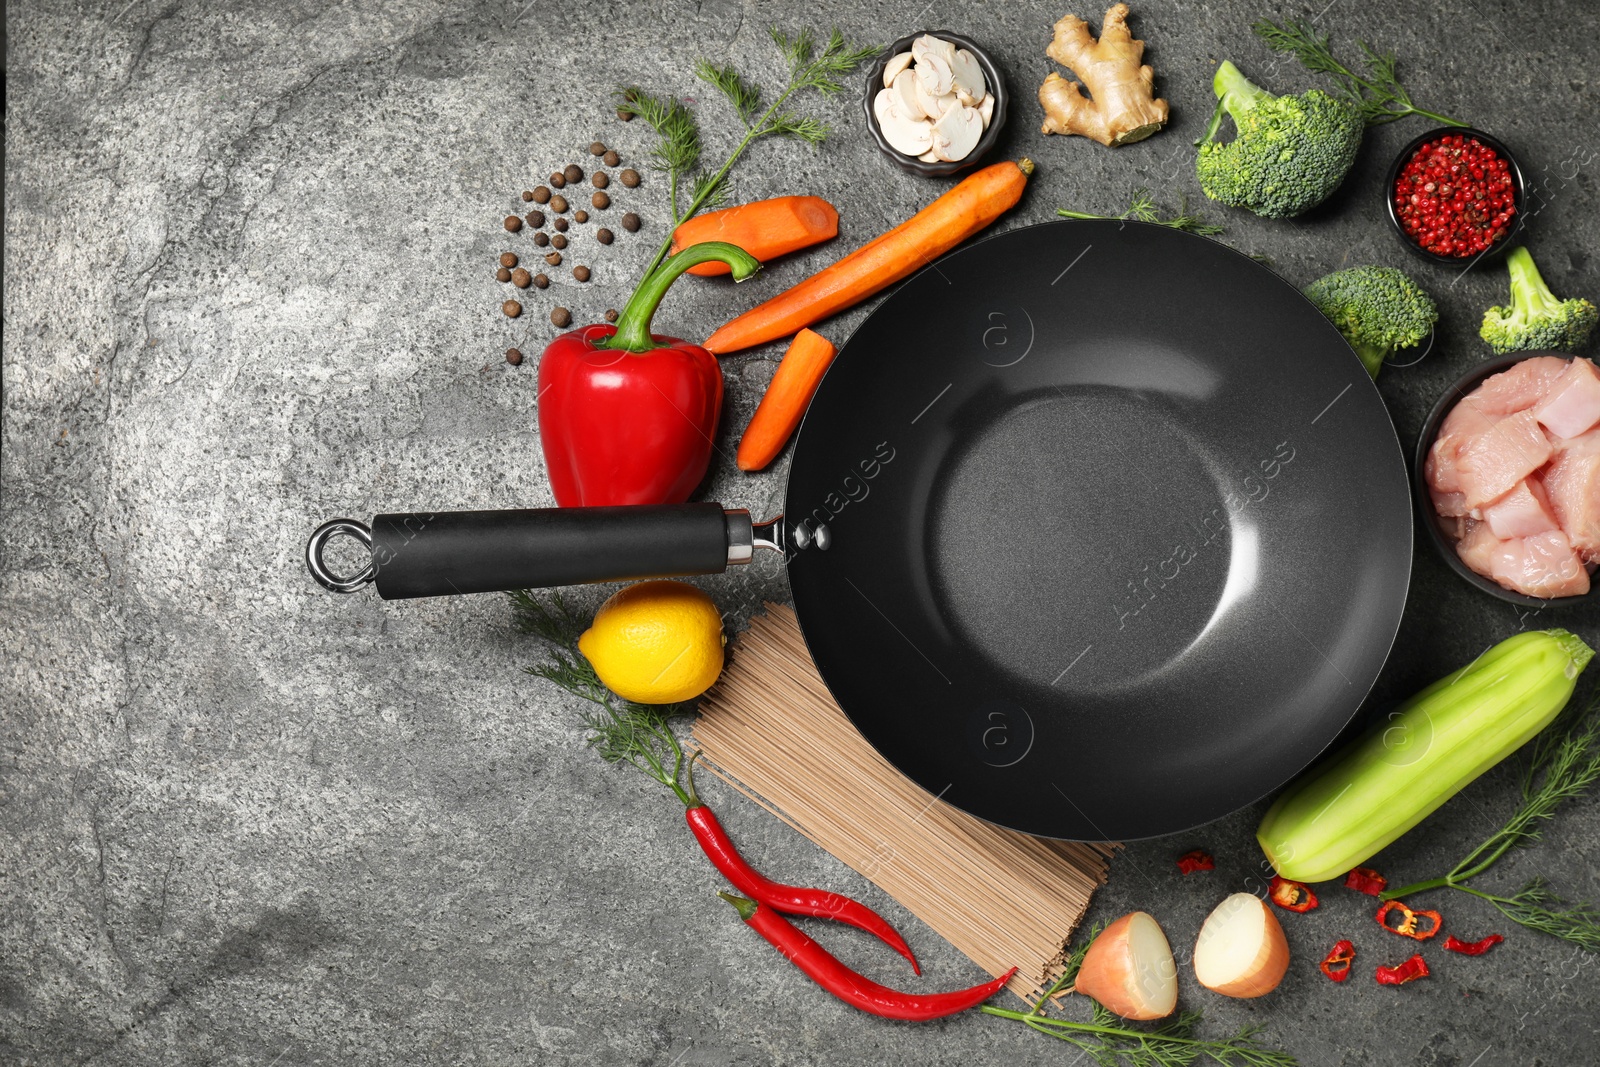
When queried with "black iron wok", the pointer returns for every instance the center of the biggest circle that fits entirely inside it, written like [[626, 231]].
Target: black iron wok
[[1095, 530]]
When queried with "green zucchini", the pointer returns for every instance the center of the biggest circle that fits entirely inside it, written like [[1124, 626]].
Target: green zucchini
[[1343, 811]]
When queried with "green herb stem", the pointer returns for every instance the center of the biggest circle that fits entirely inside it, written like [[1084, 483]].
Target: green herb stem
[[1564, 763]]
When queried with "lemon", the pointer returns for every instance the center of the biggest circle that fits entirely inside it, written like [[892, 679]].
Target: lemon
[[656, 642]]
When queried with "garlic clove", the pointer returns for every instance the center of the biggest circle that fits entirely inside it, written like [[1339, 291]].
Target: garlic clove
[[893, 68], [986, 109], [912, 136], [904, 95], [956, 133], [936, 74], [968, 77]]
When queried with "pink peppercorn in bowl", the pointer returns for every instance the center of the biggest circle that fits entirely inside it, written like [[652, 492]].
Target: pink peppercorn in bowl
[[1455, 196]]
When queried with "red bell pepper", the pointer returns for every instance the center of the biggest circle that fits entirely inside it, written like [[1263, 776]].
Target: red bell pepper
[[626, 416]]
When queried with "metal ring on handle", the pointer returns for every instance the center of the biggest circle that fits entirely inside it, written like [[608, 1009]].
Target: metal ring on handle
[[319, 570]]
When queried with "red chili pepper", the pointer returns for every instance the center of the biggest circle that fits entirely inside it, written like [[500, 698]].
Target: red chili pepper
[[1198, 860], [1472, 948], [1408, 920], [628, 417], [1292, 896], [1412, 969], [1337, 964], [1366, 880], [795, 900], [856, 990]]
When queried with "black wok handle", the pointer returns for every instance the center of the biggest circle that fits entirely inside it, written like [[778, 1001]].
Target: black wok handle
[[454, 552]]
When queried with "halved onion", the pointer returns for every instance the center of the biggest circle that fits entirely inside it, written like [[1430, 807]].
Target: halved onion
[[1129, 969], [1241, 951]]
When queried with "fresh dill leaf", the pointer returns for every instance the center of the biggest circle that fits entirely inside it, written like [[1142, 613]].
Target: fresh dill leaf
[[1377, 91], [1563, 764], [620, 731], [710, 190], [677, 149], [744, 97], [1143, 208], [801, 127]]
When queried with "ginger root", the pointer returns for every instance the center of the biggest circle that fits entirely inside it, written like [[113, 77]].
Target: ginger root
[[1120, 108]]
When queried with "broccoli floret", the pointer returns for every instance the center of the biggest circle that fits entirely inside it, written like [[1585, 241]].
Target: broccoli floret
[[1537, 318], [1378, 309], [1290, 152]]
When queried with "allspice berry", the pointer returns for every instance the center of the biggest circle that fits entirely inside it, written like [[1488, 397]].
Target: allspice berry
[[514, 357], [573, 173], [630, 177], [558, 180], [542, 281], [611, 314], [508, 259], [611, 159], [597, 149], [600, 200], [511, 308], [536, 219], [541, 195], [553, 258], [630, 222], [558, 204], [513, 223], [558, 241], [561, 225], [503, 274], [625, 116], [527, 195], [521, 278], [580, 215], [541, 239], [601, 179], [561, 318], [581, 273], [604, 236]]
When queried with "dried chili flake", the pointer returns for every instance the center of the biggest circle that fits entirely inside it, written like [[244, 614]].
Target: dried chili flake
[[1198, 860], [1472, 948], [1412, 969], [1366, 880], [1337, 964], [1408, 920], [1291, 896]]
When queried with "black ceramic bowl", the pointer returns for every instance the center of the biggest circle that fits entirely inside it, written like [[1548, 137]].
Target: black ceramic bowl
[[1430, 519], [1519, 199], [991, 74]]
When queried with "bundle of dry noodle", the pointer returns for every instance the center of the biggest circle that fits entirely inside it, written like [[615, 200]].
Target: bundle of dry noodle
[[770, 728]]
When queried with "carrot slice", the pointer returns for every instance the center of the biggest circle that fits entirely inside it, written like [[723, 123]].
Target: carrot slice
[[961, 212], [766, 229], [785, 401]]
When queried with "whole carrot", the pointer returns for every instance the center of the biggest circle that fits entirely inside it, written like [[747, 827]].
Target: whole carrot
[[784, 403], [961, 212], [793, 899], [766, 229], [854, 989]]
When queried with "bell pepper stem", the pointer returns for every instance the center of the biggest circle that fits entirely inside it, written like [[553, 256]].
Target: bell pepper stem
[[633, 325]]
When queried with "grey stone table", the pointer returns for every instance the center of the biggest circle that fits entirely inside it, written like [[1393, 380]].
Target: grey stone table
[[248, 286]]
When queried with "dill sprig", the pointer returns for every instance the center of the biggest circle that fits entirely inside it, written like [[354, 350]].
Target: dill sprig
[[809, 67], [1107, 1039], [621, 731], [1143, 208], [1563, 763], [1376, 92]]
